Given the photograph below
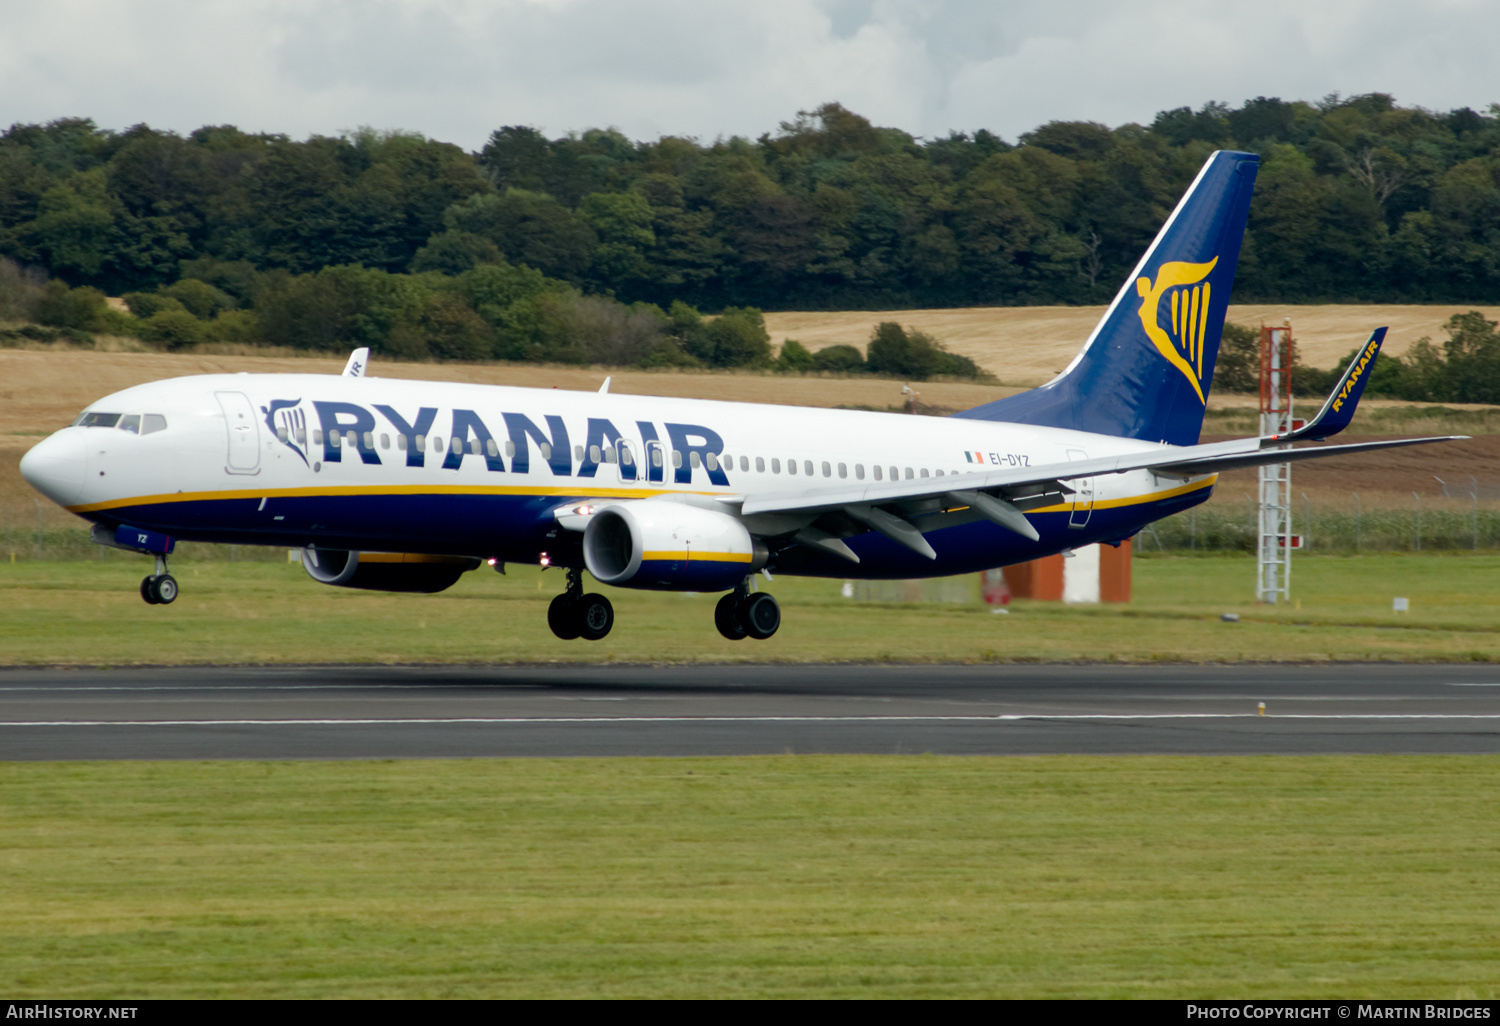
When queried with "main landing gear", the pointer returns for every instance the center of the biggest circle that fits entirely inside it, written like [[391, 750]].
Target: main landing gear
[[160, 588], [576, 615], [743, 612]]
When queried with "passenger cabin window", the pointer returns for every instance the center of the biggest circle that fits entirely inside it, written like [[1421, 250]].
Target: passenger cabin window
[[281, 435], [909, 474], [859, 471], [546, 450], [877, 473], [401, 442], [791, 466], [694, 459], [924, 471], [385, 441], [745, 463], [317, 438], [807, 467], [677, 458], [775, 465], [760, 464], [843, 470], [437, 443], [711, 461], [131, 422], [656, 457], [151, 423]]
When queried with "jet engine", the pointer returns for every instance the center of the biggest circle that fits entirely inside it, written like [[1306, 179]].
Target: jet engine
[[385, 571], [669, 546]]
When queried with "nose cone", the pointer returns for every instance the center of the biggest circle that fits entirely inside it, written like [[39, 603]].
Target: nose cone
[[55, 467]]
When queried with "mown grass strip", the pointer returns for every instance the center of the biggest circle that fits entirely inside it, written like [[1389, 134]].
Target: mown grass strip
[[91, 614], [789, 876]]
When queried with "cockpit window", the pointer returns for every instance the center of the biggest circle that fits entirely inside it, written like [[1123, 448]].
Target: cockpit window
[[90, 418], [131, 422], [153, 422]]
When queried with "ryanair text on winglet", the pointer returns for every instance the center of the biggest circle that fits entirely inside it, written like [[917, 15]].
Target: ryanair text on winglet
[[1354, 375]]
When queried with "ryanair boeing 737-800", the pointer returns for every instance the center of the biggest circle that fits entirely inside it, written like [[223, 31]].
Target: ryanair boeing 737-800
[[404, 485]]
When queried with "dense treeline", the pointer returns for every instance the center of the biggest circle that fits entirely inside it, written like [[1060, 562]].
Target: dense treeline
[[1359, 199], [591, 247]]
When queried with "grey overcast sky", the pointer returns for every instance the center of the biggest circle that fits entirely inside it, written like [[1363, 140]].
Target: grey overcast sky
[[457, 69]]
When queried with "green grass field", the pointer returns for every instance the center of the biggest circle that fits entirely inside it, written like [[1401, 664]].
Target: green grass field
[[786, 876], [1160, 877], [91, 613]]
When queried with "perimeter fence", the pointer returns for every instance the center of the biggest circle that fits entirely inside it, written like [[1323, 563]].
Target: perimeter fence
[[1349, 525]]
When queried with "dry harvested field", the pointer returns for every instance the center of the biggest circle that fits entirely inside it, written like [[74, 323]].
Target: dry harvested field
[[1027, 345], [41, 390]]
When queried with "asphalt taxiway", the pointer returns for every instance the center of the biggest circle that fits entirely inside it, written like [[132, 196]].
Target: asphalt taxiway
[[497, 711]]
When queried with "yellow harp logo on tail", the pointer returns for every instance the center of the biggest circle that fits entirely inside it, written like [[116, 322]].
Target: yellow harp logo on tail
[[1182, 341]]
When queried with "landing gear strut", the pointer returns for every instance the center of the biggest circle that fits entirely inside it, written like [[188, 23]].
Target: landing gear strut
[[742, 613], [576, 615], [160, 588]]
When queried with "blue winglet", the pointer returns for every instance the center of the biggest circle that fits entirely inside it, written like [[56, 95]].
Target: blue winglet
[[1338, 409]]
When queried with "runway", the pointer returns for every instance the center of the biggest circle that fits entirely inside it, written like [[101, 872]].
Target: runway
[[500, 711]]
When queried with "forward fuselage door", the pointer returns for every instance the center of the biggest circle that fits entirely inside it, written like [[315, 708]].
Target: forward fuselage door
[[1083, 494], [244, 432]]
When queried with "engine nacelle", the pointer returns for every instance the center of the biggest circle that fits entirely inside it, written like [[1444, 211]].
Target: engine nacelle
[[669, 546], [385, 571]]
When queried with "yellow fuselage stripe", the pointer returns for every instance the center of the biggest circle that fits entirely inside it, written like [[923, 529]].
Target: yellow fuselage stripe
[[685, 556], [355, 491]]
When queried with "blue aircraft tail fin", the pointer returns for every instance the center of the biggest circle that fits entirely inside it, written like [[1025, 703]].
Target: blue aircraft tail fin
[[1145, 370]]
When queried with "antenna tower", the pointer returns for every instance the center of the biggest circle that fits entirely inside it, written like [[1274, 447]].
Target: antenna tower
[[1273, 566]]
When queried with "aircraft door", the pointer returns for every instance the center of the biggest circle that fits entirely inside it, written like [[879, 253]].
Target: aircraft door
[[1083, 494], [244, 433], [656, 461], [625, 460]]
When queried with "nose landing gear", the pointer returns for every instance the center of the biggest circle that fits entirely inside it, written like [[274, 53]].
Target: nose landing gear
[[576, 615], [160, 588], [742, 613]]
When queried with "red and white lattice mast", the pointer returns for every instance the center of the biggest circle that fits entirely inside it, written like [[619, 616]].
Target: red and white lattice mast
[[1273, 565]]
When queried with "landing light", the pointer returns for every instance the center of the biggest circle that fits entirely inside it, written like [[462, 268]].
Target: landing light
[[546, 560], [583, 510]]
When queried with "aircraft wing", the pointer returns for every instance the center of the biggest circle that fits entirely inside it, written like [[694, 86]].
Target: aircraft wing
[[1003, 496]]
